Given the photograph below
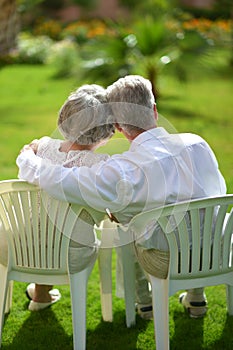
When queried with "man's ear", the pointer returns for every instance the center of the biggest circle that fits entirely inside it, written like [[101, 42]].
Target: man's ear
[[155, 112], [118, 127]]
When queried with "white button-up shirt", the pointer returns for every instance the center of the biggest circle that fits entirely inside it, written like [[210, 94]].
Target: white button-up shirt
[[158, 168]]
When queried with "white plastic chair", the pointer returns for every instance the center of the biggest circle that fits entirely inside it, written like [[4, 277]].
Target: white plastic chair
[[38, 230], [208, 263]]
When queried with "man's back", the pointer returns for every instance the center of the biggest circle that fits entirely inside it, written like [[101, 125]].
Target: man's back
[[165, 168]]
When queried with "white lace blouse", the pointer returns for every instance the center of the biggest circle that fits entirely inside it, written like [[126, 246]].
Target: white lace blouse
[[49, 148]]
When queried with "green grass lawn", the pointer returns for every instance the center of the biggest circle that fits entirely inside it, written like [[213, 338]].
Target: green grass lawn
[[29, 103]]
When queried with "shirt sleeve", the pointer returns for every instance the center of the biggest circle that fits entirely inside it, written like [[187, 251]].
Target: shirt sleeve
[[28, 164], [101, 186]]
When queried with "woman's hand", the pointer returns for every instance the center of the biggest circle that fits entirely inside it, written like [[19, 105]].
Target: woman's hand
[[32, 146]]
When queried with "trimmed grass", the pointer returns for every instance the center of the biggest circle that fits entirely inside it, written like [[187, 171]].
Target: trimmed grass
[[29, 103], [30, 100], [203, 106]]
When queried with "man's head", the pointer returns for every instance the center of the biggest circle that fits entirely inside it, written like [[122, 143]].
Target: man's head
[[133, 104], [85, 116]]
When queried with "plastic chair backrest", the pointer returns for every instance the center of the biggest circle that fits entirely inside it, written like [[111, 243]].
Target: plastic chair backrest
[[198, 235], [38, 229]]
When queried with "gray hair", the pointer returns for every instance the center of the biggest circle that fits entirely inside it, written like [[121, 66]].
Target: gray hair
[[132, 103], [85, 117]]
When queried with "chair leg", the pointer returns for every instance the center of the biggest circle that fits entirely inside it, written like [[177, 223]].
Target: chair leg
[[3, 296], [128, 263], [9, 298], [108, 234], [229, 295], [105, 271], [78, 291], [160, 299]]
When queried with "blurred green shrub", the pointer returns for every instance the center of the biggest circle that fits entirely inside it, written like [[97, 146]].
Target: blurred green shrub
[[76, 31], [32, 49], [64, 58]]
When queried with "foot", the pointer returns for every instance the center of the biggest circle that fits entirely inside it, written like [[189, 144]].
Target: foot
[[54, 295], [31, 289], [36, 306], [145, 311], [197, 308]]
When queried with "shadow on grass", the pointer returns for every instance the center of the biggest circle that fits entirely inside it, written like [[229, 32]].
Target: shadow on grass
[[115, 335], [41, 331], [226, 340], [189, 334]]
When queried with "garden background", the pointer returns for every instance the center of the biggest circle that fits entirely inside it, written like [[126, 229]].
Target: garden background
[[187, 54]]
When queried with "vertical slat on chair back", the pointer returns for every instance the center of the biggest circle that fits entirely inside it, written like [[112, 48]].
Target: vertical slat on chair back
[[12, 224], [37, 226], [217, 241], [227, 244], [196, 243], [184, 242], [52, 215], [207, 233]]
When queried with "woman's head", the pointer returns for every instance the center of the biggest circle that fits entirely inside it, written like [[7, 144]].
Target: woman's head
[[85, 117]]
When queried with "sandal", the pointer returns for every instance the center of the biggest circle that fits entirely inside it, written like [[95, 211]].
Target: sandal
[[36, 306]]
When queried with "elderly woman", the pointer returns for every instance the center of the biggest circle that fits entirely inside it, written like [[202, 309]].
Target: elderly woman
[[84, 122]]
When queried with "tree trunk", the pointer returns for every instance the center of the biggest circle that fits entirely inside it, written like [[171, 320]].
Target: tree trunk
[[152, 76], [9, 25]]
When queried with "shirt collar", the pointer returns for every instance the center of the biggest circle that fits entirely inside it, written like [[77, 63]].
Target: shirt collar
[[148, 135]]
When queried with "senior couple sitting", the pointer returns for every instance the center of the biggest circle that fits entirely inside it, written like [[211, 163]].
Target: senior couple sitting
[[157, 169]]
